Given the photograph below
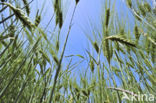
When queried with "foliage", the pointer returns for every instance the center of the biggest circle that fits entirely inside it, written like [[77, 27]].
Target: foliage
[[31, 67]]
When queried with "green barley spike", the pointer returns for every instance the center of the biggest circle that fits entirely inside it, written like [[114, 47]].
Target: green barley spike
[[96, 47], [60, 19], [37, 19], [121, 40], [136, 32], [92, 65], [107, 17], [20, 15], [26, 6]]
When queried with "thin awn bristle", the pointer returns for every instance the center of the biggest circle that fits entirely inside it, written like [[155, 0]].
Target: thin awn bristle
[[37, 19], [59, 14], [92, 65], [60, 19], [136, 32]]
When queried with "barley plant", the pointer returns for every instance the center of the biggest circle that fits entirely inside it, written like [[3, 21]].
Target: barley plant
[[121, 61]]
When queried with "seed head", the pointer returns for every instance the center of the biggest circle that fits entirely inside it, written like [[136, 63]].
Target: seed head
[[107, 17]]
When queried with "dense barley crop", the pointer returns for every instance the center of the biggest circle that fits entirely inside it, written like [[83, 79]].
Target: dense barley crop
[[119, 68]]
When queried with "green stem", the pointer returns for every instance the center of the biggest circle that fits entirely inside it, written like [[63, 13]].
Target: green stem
[[60, 62]]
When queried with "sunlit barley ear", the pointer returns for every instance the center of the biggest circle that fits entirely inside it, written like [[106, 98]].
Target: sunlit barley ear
[[26, 6], [106, 50], [121, 40], [21, 16], [58, 12]]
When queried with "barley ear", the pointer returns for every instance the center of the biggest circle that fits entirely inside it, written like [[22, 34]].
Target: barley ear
[[26, 6], [107, 17], [60, 19], [37, 19], [136, 32], [96, 47], [120, 39]]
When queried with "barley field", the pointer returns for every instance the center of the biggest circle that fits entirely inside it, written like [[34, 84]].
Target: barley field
[[111, 60]]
